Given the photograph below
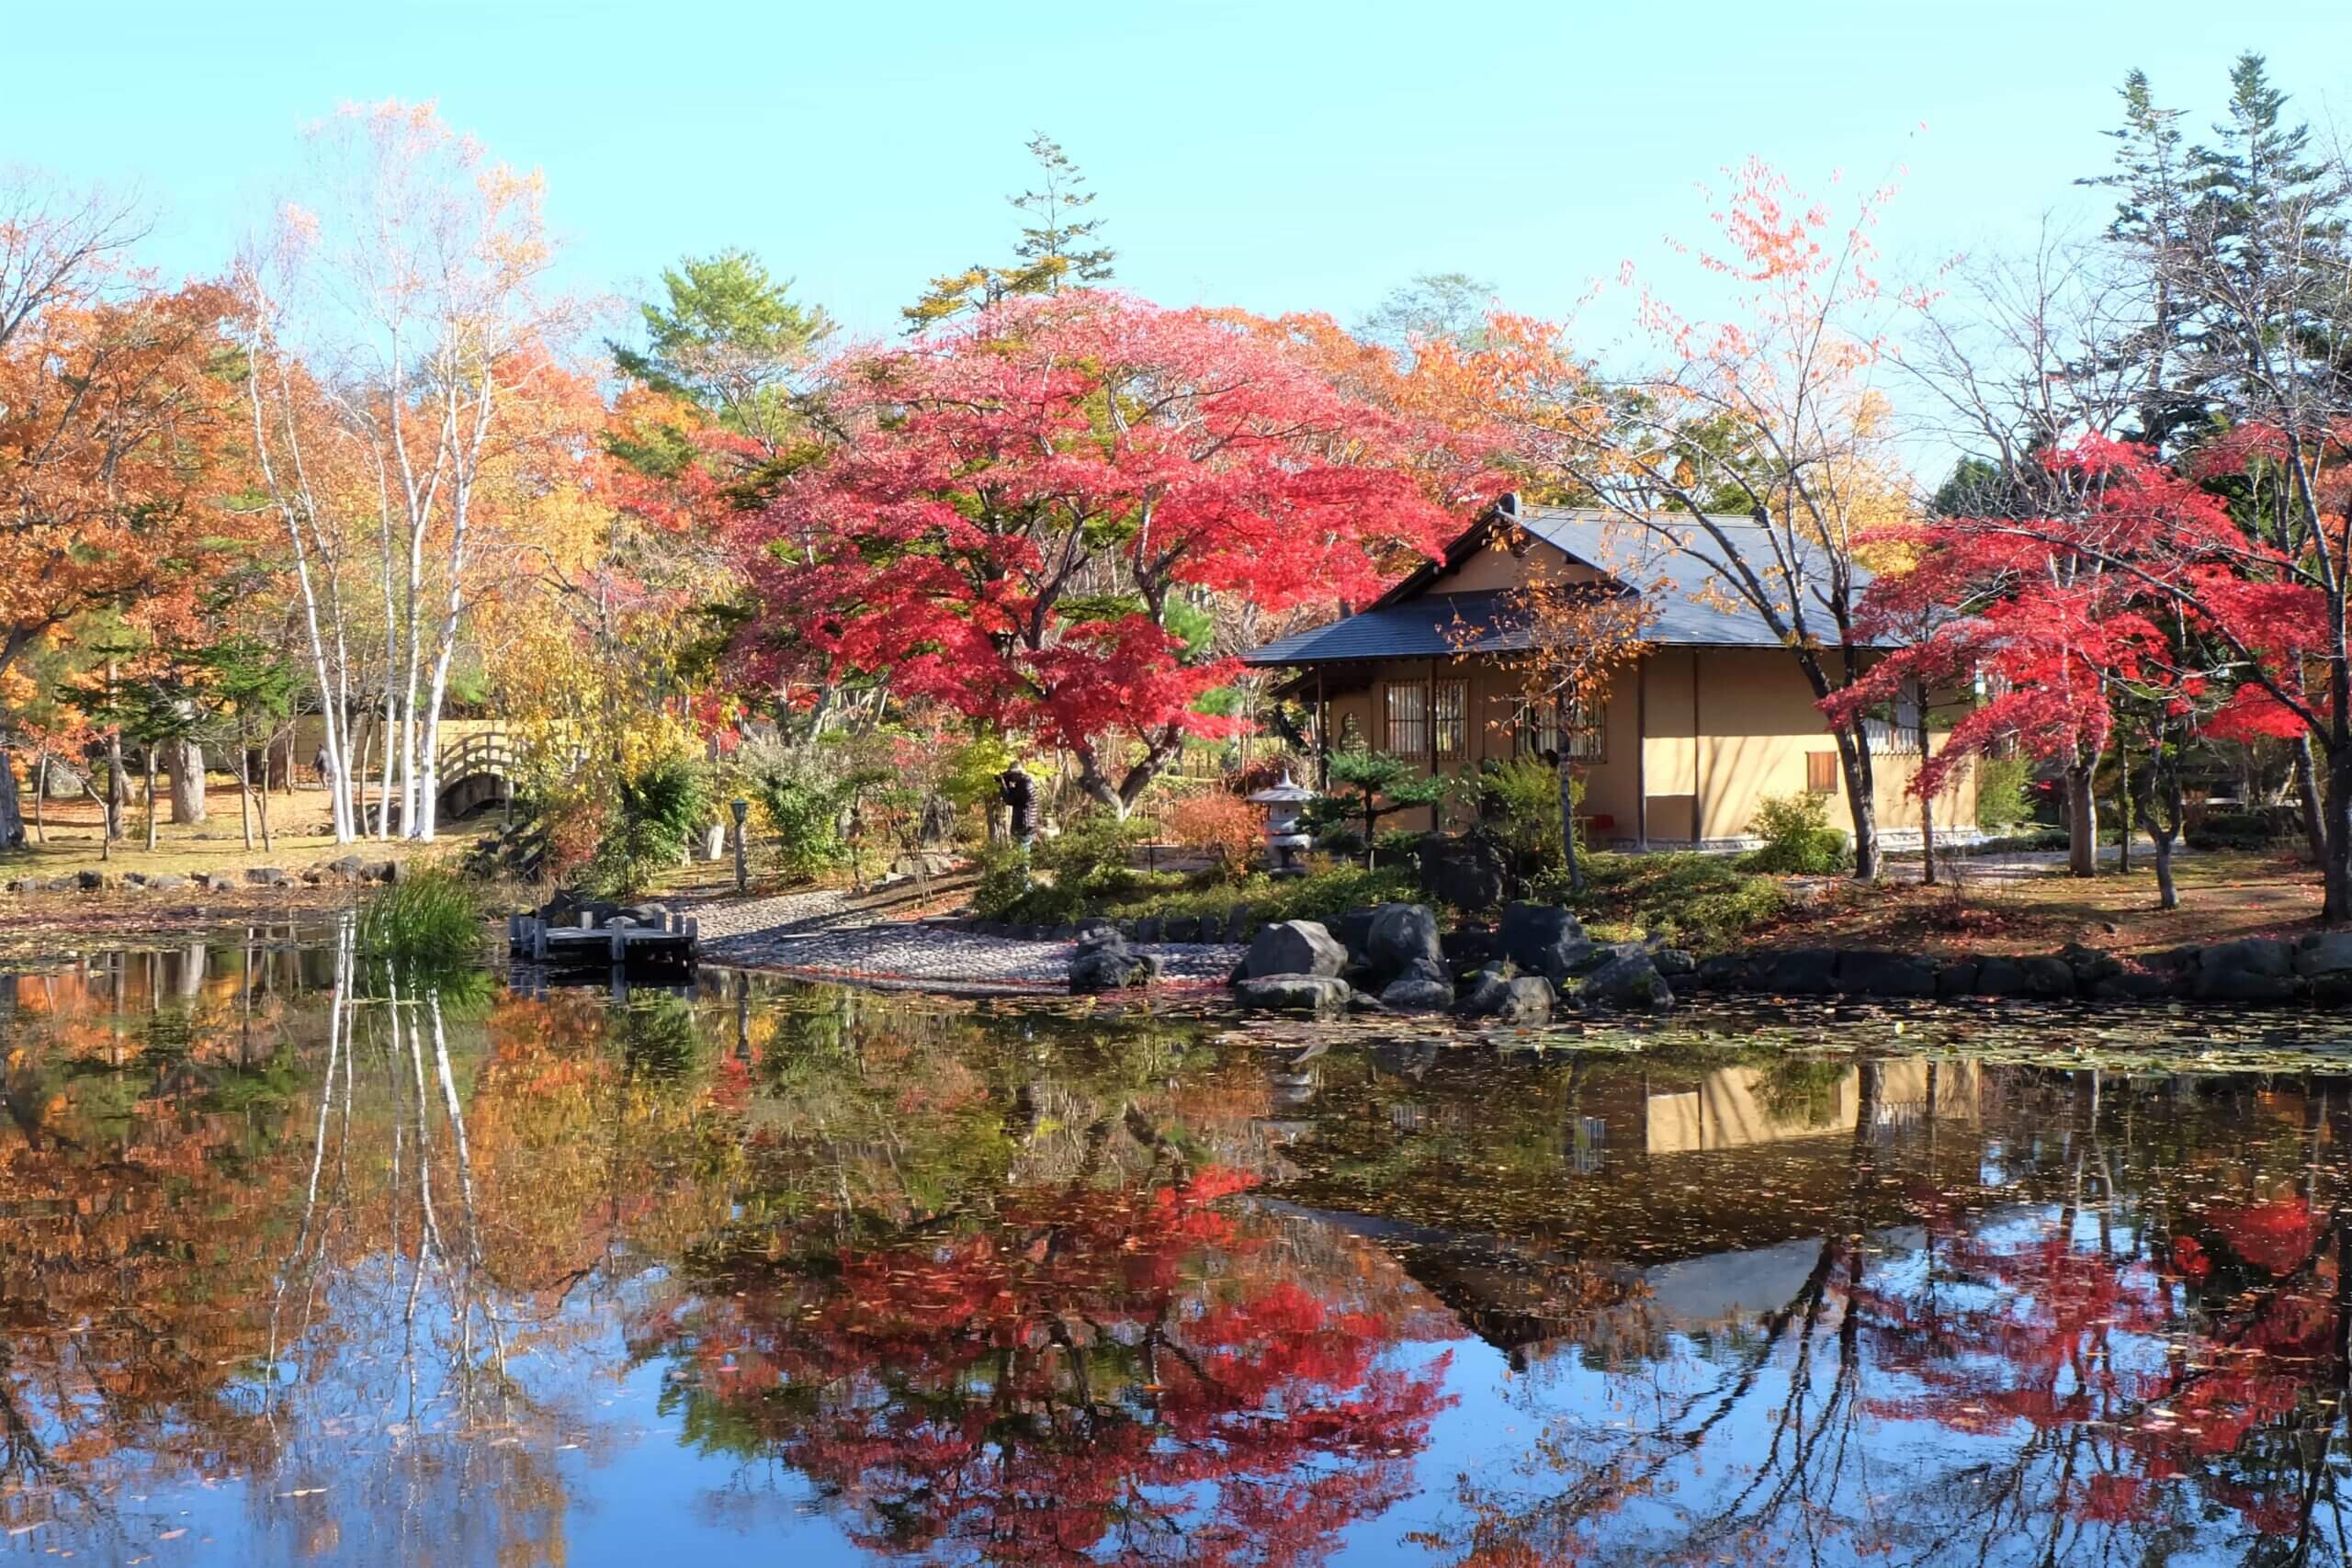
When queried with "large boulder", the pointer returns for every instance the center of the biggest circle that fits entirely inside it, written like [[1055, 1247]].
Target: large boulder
[[1543, 939], [2253, 969], [1294, 993], [1468, 872], [2324, 953], [1421, 987], [1495, 993], [1724, 972], [2040, 978], [1401, 934], [1105, 963], [1293, 947], [1864, 973], [1802, 971], [1622, 977]]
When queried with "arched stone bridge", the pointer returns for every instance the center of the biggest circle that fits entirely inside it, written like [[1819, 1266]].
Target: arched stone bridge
[[476, 772]]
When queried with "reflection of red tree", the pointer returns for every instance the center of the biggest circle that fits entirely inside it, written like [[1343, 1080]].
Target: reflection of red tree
[[1097, 1368], [2182, 1384]]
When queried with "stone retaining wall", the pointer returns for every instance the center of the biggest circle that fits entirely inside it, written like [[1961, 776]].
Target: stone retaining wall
[[2316, 968]]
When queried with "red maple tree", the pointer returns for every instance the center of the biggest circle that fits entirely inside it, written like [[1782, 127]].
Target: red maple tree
[[1021, 511]]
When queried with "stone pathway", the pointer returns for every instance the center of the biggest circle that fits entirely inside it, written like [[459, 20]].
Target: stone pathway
[[2017, 866], [782, 912], [929, 957]]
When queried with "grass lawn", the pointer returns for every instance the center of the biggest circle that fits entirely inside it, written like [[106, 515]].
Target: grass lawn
[[2223, 895]]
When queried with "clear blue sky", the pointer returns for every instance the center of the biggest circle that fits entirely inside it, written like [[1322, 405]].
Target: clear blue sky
[[1278, 154]]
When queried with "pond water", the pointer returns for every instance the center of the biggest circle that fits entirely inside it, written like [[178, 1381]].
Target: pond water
[[300, 1265]]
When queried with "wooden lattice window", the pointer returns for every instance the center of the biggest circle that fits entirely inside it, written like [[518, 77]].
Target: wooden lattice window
[[1405, 729], [1821, 772], [1563, 730], [1450, 718], [1538, 728], [1585, 724]]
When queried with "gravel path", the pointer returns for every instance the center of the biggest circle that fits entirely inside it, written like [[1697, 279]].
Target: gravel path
[[929, 957], [784, 912]]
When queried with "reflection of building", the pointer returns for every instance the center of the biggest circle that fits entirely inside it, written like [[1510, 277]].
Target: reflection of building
[[1604, 1203], [1735, 1106]]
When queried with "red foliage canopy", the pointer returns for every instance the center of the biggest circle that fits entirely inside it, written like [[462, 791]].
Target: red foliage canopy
[[2059, 612], [1017, 505]]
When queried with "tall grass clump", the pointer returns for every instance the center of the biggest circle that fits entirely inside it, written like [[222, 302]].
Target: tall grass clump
[[428, 920]]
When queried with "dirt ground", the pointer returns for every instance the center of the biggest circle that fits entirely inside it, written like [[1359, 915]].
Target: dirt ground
[[2223, 895], [39, 925]]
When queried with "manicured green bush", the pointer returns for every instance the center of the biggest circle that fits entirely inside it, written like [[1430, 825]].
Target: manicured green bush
[[1087, 866], [657, 812], [802, 809], [1700, 901], [1004, 881], [1527, 791], [1798, 840], [2001, 801]]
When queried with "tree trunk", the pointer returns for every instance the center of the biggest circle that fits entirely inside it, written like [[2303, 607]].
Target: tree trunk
[[2123, 806], [1927, 804], [118, 792], [41, 794], [1568, 826], [1861, 800], [184, 761], [2081, 821], [106, 816], [2307, 787], [2335, 870], [12, 812], [245, 792], [151, 797]]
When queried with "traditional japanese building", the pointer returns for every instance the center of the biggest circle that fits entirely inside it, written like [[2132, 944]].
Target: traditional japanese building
[[1713, 716]]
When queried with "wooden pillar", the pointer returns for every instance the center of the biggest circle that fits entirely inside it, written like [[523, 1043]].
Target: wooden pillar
[[1428, 738], [1322, 730], [1698, 762], [1641, 753]]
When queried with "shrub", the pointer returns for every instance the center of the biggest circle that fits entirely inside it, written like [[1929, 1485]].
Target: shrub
[[802, 808], [428, 921], [655, 814], [1526, 791], [1698, 900], [1087, 866], [1798, 840], [1324, 896], [1382, 783], [2001, 800], [1004, 881], [1228, 827], [2261, 828]]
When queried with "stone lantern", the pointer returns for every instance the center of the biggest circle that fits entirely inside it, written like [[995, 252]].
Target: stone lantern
[[1286, 841]]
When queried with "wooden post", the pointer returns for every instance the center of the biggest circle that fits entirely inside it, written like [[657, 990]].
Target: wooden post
[[619, 944], [538, 941]]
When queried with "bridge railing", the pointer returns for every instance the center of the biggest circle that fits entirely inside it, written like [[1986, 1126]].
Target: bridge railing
[[484, 752]]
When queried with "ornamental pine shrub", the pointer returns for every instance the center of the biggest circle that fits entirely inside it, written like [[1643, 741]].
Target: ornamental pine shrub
[[1798, 840]]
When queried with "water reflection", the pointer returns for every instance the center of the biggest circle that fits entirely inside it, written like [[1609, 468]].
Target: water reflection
[[299, 1262]]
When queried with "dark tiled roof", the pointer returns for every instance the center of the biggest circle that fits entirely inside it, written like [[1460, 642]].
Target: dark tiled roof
[[1695, 608], [1428, 626]]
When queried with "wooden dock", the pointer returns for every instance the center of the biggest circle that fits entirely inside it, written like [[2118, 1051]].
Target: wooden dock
[[672, 944]]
